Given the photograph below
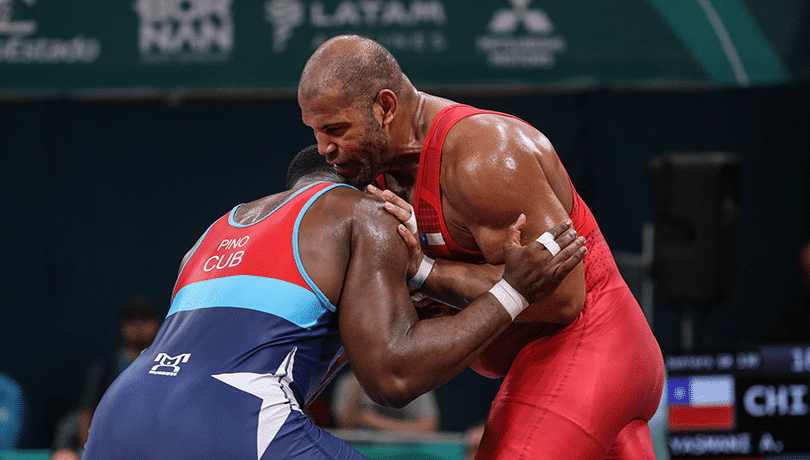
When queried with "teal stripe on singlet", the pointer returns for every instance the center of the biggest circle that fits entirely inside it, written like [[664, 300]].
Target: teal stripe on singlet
[[294, 303], [325, 301]]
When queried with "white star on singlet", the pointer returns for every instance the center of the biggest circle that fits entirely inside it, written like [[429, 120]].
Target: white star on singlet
[[276, 395]]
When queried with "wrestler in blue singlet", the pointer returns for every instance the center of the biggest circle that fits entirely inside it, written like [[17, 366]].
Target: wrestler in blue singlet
[[247, 343]]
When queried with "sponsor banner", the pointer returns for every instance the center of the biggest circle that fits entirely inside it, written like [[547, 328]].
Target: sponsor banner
[[47, 45]]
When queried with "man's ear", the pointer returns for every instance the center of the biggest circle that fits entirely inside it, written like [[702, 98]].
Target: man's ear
[[386, 105]]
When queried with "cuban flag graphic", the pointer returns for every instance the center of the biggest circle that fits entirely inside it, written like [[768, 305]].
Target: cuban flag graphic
[[701, 403]]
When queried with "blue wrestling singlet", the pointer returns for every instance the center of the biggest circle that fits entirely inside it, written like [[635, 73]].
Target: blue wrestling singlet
[[246, 344]]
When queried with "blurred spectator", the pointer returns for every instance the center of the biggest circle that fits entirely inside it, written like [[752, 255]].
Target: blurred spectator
[[472, 437], [353, 409], [792, 325], [64, 454], [139, 323], [12, 413]]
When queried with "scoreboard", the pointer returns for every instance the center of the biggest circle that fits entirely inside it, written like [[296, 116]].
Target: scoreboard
[[739, 405]]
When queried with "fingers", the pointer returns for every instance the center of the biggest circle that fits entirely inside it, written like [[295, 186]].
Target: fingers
[[402, 214], [374, 191], [394, 204], [568, 258], [513, 235], [560, 228], [410, 238], [566, 238], [557, 237], [414, 250]]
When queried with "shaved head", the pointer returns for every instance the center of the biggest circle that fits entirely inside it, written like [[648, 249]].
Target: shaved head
[[354, 68]]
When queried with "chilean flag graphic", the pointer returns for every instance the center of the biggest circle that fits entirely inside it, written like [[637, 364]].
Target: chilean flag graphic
[[701, 403]]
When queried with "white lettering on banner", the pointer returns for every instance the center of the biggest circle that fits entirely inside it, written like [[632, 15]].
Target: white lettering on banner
[[536, 48], [723, 361], [719, 444], [748, 360], [185, 30], [801, 359], [771, 400], [8, 25], [417, 24], [768, 445], [377, 13], [19, 47], [690, 362]]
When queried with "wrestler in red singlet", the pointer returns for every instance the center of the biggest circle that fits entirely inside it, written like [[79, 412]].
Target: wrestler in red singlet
[[585, 391]]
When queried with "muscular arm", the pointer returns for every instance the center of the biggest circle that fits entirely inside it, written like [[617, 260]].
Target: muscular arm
[[493, 169], [451, 282], [394, 355]]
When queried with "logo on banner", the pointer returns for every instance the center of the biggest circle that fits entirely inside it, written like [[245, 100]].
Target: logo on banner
[[196, 31], [701, 403], [20, 44], [521, 37], [285, 16], [415, 26]]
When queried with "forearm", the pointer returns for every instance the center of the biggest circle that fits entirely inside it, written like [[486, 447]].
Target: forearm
[[458, 283], [562, 306], [411, 356]]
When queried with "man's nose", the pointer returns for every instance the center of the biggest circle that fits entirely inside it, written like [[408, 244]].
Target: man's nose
[[325, 145]]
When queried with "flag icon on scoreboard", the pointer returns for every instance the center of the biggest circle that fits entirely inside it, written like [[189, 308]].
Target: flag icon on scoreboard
[[701, 403]]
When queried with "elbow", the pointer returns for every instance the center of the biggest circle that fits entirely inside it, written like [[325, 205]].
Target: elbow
[[393, 389], [394, 393]]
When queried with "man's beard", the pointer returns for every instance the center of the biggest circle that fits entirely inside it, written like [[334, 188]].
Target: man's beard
[[375, 147]]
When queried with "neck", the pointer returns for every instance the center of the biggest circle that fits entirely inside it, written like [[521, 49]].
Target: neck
[[416, 115]]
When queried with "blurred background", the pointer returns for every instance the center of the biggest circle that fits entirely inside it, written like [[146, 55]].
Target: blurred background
[[126, 128]]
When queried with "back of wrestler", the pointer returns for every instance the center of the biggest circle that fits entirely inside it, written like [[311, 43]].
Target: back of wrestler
[[247, 342]]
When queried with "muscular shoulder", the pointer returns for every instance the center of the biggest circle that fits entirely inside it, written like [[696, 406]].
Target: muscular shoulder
[[488, 158], [363, 214], [345, 228], [480, 143]]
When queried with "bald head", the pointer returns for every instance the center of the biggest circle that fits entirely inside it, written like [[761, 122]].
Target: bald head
[[354, 68]]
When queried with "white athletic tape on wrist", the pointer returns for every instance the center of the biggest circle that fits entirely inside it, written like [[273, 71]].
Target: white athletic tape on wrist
[[410, 224], [421, 275], [513, 302], [547, 240]]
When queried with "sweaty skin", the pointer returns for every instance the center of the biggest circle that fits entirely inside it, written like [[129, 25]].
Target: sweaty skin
[[370, 122], [258, 312], [395, 356], [494, 168]]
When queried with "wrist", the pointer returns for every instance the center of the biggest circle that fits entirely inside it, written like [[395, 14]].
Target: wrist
[[422, 273], [510, 299]]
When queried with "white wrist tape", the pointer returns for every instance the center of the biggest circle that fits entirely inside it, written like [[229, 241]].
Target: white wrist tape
[[509, 297], [410, 224], [547, 240], [422, 273]]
